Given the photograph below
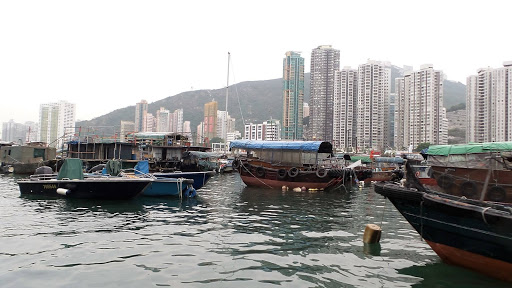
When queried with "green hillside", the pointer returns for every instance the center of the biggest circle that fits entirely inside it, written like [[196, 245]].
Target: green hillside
[[258, 101]]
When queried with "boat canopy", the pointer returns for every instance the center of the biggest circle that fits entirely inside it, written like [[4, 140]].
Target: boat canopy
[[310, 146], [72, 168], [470, 148], [397, 160]]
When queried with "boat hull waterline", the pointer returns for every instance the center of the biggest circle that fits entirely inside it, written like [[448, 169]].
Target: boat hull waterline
[[107, 188]]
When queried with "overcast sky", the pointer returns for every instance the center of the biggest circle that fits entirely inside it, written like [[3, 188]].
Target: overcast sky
[[104, 55]]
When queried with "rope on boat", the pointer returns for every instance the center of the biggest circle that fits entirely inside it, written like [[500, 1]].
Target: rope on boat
[[483, 214], [242, 163]]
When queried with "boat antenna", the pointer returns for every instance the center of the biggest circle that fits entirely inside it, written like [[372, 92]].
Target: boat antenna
[[227, 94]]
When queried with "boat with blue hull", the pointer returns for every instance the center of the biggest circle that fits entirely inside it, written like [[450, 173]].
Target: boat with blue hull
[[473, 234], [162, 186], [199, 178], [170, 187], [71, 183]]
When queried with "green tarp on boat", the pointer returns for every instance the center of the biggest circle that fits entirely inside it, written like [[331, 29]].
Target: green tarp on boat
[[469, 148], [72, 168]]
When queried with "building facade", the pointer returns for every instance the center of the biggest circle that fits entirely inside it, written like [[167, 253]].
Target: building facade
[[489, 105], [210, 121], [324, 61], [56, 123], [420, 116], [141, 110], [293, 96], [163, 119], [344, 110], [374, 87], [127, 128]]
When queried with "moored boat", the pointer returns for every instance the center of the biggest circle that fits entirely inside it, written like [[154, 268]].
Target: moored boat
[[71, 183], [294, 164], [477, 170], [161, 186], [473, 234], [200, 178]]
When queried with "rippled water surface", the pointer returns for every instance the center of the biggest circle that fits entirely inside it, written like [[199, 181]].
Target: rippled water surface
[[230, 236]]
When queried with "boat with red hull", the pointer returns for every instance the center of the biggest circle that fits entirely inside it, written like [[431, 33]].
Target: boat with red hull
[[481, 171], [294, 164], [469, 233]]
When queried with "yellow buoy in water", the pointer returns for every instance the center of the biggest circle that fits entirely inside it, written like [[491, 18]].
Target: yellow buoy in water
[[372, 234]]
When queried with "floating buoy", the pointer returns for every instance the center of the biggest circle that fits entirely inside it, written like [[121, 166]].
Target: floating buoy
[[297, 189], [303, 188], [372, 234], [284, 188]]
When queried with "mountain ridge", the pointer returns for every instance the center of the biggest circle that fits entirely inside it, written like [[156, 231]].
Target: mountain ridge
[[256, 101]]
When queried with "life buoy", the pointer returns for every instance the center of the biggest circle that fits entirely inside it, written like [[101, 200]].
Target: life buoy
[[445, 181], [293, 172], [236, 164], [497, 194], [321, 172], [468, 189], [281, 173], [260, 171]]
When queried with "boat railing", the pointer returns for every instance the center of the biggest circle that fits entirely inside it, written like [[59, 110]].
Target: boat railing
[[37, 177]]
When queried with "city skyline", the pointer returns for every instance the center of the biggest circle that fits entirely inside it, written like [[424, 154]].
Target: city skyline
[[55, 52]]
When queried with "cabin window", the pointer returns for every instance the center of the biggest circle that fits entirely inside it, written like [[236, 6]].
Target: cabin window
[[39, 153]]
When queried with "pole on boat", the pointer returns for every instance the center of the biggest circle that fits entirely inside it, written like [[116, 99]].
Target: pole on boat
[[227, 92]]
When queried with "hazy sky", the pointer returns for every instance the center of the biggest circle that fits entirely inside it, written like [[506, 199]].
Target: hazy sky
[[104, 55]]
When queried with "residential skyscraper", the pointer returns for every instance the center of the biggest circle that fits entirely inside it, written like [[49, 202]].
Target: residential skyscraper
[[177, 121], [374, 87], [163, 119], [127, 128], [489, 105], [293, 96], [56, 123], [210, 121], [344, 111], [420, 116], [324, 61], [141, 110]]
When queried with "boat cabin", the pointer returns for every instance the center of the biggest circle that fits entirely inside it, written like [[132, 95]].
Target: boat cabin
[[285, 153]]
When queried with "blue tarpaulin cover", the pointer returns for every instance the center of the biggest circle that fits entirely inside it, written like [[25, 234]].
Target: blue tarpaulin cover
[[142, 167], [282, 145]]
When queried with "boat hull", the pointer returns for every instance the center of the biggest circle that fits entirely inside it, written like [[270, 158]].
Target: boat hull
[[261, 176], [94, 188], [467, 233], [167, 187], [200, 178]]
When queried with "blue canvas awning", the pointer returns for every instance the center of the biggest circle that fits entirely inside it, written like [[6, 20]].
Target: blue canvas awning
[[311, 146]]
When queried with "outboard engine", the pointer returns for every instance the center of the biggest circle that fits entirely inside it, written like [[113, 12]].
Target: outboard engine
[[43, 170]]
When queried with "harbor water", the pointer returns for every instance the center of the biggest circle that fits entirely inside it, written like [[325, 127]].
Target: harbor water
[[229, 236]]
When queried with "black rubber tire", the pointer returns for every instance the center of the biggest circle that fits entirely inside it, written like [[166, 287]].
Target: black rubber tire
[[468, 189], [321, 172], [445, 181], [281, 173], [497, 194], [293, 172], [260, 171]]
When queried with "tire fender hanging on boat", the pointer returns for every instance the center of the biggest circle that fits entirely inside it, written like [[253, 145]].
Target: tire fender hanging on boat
[[321, 172], [468, 189], [293, 172], [497, 194], [260, 171], [281, 173], [445, 181]]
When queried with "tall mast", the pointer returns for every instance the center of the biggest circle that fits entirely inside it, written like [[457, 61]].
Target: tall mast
[[227, 86]]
